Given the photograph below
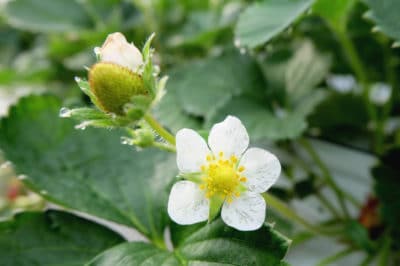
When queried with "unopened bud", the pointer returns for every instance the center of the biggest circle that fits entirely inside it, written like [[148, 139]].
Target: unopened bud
[[114, 86], [118, 51]]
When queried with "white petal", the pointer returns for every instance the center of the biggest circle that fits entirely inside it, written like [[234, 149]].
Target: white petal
[[191, 151], [187, 203], [229, 136], [117, 50], [262, 169], [245, 213]]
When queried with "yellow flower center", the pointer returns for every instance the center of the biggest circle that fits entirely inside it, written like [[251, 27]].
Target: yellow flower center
[[221, 176]]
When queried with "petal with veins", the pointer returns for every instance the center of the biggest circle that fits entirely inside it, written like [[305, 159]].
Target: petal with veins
[[229, 136], [245, 213], [262, 169], [187, 203], [191, 151]]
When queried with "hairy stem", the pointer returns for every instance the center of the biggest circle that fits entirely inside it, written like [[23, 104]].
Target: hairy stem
[[326, 175], [336, 256], [288, 213], [159, 129]]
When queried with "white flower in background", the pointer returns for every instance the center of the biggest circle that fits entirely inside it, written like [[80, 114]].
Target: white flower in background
[[380, 93], [222, 170], [341, 83], [117, 50]]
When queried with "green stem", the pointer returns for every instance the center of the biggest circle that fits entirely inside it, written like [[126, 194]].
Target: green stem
[[158, 242], [368, 259], [335, 257], [327, 204], [383, 259], [361, 74], [326, 174], [159, 129], [165, 147], [287, 212]]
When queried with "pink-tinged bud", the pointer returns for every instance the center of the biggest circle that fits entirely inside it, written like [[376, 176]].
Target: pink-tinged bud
[[117, 50]]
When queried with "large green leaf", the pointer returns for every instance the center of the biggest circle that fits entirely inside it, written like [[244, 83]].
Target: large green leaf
[[88, 170], [214, 244], [52, 238], [305, 71], [263, 20], [210, 83], [385, 13], [334, 12], [47, 15], [135, 253], [262, 123], [198, 89]]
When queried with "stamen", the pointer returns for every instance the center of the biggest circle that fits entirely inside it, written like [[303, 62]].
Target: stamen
[[241, 168]]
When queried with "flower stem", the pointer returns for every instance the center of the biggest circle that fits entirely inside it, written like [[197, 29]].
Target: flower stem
[[286, 211], [383, 257], [358, 67], [164, 146], [339, 255], [326, 174], [327, 204], [159, 129]]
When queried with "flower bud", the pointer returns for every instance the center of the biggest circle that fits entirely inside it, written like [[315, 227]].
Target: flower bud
[[113, 86], [118, 51]]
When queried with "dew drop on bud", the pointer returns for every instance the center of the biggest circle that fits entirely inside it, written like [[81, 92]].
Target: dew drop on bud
[[82, 126], [96, 51], [125, 141], [65, 112], [78, 79]]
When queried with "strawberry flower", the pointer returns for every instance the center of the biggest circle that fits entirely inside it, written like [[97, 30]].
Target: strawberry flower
[[222, 175]]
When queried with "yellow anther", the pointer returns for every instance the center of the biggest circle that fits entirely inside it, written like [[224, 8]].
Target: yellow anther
[[221, 177]]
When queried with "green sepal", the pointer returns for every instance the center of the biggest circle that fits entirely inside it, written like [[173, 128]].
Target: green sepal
[[149, 79], [194, 177], [103, 123], [137, 107], [216, 202], [85, 88], [83, 113], [90, 117]]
